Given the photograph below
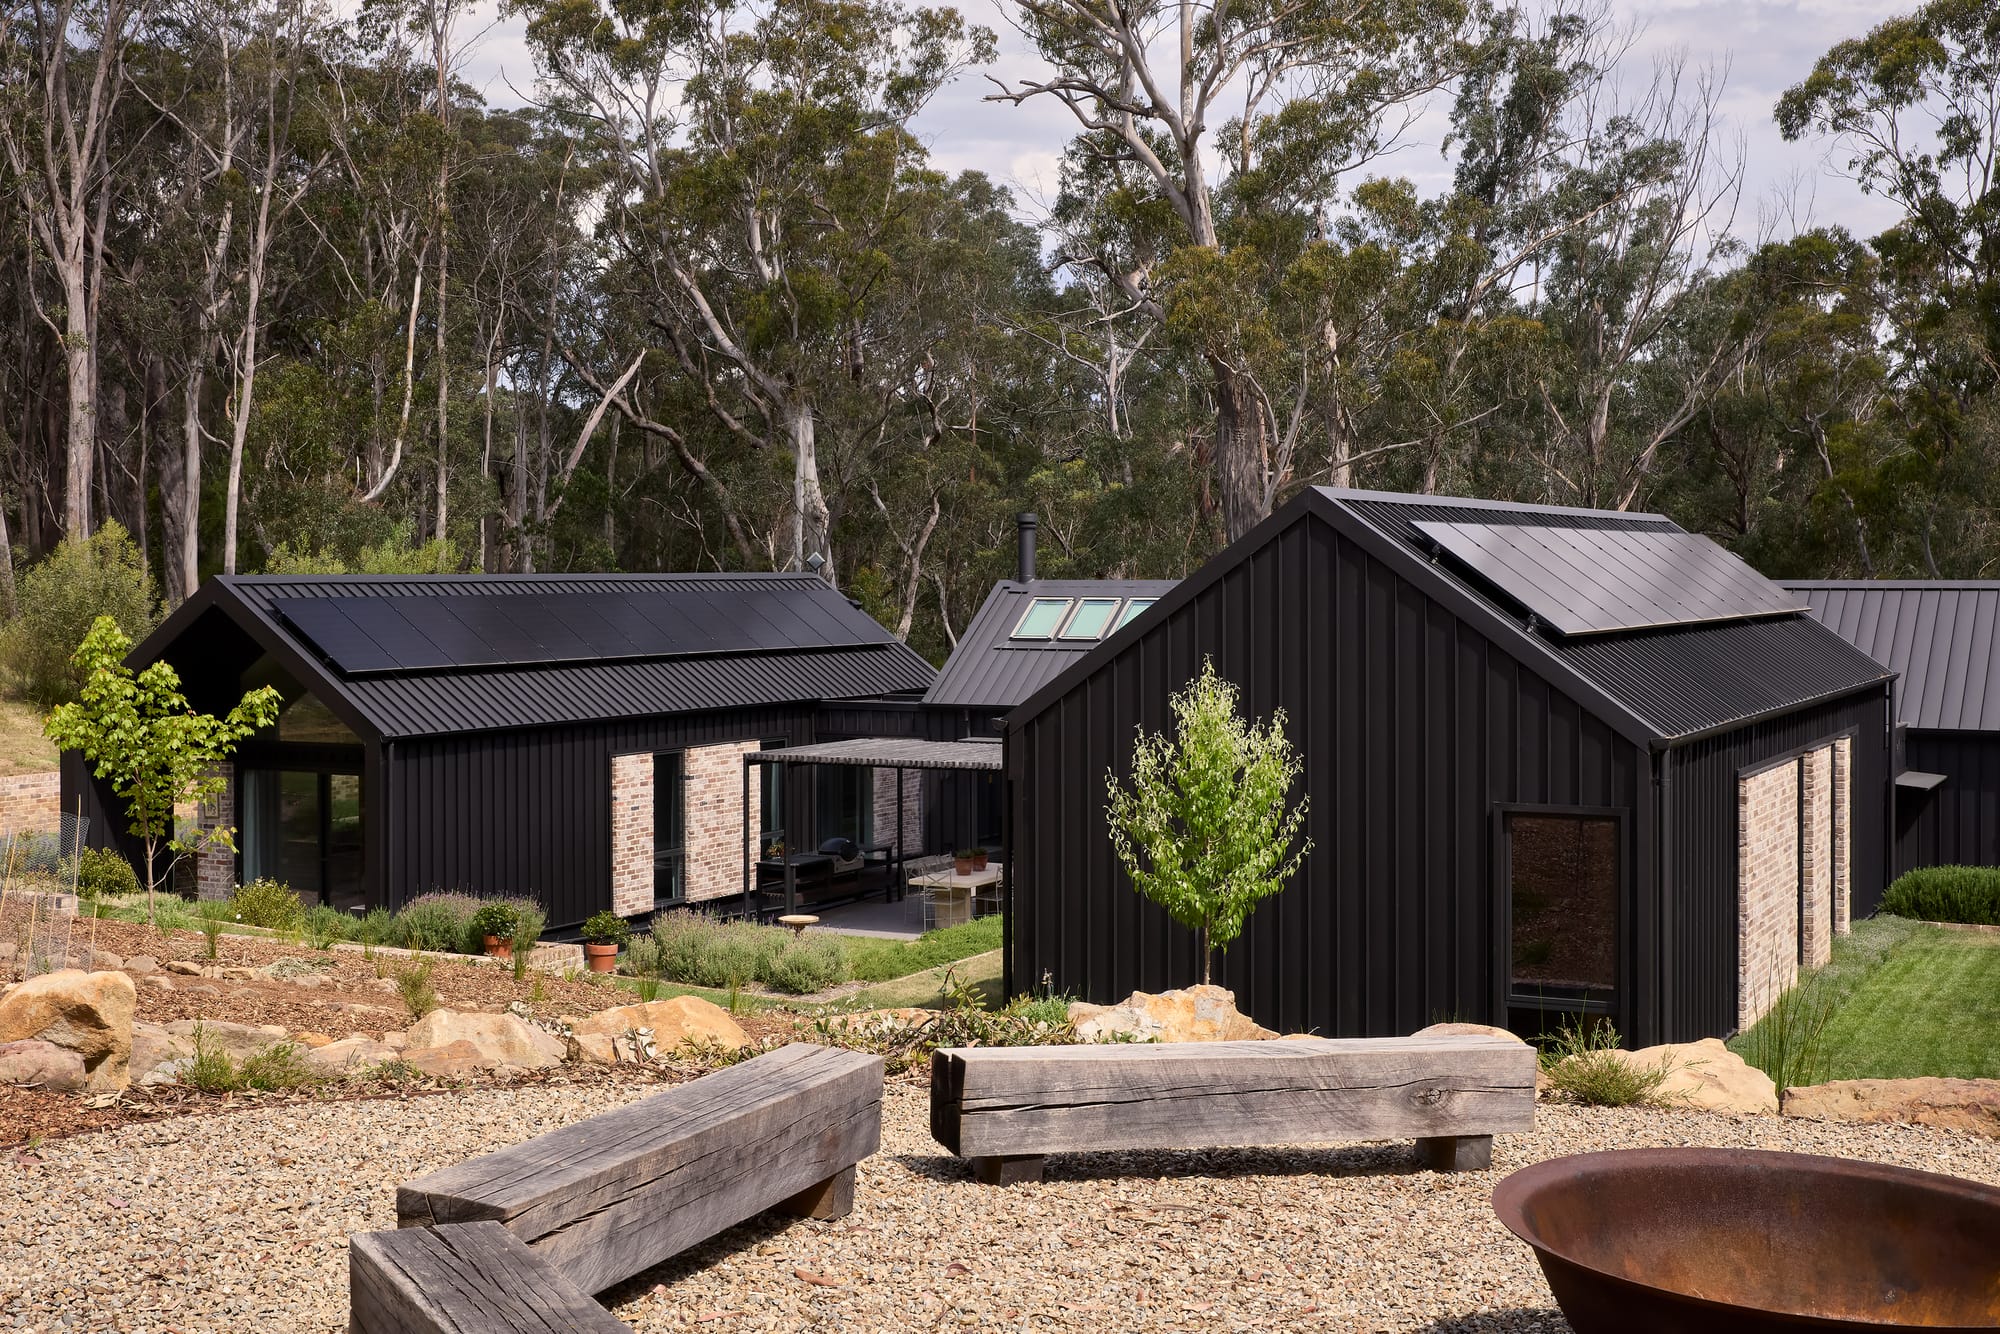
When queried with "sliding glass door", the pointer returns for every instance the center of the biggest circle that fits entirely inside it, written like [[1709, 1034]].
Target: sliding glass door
[[303, 829]]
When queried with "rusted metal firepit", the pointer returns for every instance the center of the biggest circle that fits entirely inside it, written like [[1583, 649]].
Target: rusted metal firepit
[[1715, 1241]]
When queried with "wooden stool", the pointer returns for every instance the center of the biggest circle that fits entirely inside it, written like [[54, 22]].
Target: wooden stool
[[798, 922]]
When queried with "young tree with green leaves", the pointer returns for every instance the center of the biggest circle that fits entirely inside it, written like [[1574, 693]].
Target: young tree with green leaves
[[1207, 828], [139, 732]]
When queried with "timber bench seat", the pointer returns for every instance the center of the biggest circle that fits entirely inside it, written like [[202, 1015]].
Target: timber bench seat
[[464, 1278], [614, 1195], [1005, 1108]]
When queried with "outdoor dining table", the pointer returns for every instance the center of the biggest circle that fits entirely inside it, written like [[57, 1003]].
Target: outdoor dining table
[[952, 894]]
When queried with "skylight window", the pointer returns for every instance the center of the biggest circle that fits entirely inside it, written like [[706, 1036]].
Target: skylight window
[[1133, 608], [1091, 619], [1042, 617]]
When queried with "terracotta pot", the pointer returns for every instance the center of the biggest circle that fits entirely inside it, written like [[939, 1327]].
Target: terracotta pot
[[601, 958], [500, 948], [978, 861], [961, 865]]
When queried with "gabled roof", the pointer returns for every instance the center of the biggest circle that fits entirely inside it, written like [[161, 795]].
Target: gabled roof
[[1938, 635], [990, 670], [1657, 686], [481, 667]]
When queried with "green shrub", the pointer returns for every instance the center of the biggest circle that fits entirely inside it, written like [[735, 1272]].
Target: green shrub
[[279, 1068], [804, 965], [100, 871], [496, 918], [437, 921], [643, 958], [1789, 1042], [323, 924], [1947, 894], [527, 931], [1584, 1064], [607, 928], [699, 951], [414, 986], [267, 903], [213, 915], [61, 596], [378, 927]]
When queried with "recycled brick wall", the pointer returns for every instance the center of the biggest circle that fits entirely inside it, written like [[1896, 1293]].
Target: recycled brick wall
[[215, 864], [1843, 836], [1816, 858], [715, 824], [912, 839], [31, 803], [632, 834], [1767, 862]]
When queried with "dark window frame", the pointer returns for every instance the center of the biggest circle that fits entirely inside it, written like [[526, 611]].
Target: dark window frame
[[672, 860], [1505, 998]]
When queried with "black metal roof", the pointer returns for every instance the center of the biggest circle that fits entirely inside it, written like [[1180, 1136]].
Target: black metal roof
[[835, 651], [1659, 685], [991, 670], [1938, 635], [888, 752]]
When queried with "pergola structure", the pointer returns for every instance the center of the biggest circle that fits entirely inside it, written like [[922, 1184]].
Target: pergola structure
[[895, 753]]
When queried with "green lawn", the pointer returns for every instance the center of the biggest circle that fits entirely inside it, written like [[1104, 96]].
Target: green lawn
[[872, 959], [1906, 1000], [925, 990]]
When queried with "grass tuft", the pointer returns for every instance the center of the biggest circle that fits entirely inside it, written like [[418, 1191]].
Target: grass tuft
[[1585, 1064]]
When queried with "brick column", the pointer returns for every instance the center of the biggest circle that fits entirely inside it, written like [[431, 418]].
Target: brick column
[[913, 808], [215, 864], [1843, 836], [1816, 858], [716, 829], [1767, 884], [632, 834], [31, 803]]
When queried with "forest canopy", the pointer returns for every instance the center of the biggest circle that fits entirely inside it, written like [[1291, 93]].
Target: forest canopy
[[281, 292]]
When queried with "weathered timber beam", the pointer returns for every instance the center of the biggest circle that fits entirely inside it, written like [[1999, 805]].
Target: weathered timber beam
[[463, 1278]]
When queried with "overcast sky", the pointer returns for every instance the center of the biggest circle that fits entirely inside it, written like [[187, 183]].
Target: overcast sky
[[1767, 44]]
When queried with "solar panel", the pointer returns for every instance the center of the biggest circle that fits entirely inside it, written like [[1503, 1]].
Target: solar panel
[[411, 632], [1586, 581]]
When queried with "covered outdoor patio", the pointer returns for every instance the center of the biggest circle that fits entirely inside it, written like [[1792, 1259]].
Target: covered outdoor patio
[[780, 880]]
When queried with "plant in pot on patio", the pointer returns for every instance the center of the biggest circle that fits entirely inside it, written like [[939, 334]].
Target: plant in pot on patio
[[496, 923], [961, 861], [604, 934], [979, 859]]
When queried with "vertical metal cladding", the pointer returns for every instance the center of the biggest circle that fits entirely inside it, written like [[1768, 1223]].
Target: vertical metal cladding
[[1957, 822], [1415, 730], [1411, 725]]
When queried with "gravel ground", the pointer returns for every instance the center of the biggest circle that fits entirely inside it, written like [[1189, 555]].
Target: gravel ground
[[240, 1222]]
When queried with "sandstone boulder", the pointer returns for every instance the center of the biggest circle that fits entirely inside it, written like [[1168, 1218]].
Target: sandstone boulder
[[500, 1039], [139, 965], [157, 1053], [312, 1039], [1952, 1104], [1457, 1030], [87, 1013], [1193, 1014], [350, 1054], [1707, 1075], [30, 1063], [682, 1019], [105, 959], [239, 1042], [455, 1060], [183, 967]]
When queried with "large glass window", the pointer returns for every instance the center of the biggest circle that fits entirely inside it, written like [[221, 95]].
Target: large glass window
[[1562, 892], [669, 829], [846, 803], [304, 829]]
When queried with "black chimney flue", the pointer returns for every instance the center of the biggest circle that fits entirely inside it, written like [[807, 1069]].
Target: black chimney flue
[[1027, 523]]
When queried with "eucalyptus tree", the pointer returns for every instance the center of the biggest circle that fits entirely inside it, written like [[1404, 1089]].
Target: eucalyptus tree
[[760, 173], [1913, 105]]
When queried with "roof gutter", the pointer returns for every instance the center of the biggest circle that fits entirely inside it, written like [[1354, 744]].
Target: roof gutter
[[1776, 711]]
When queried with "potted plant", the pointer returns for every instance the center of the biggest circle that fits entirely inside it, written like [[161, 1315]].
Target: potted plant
[[979, 859], [604, 934], [495, 922], [961, 861]]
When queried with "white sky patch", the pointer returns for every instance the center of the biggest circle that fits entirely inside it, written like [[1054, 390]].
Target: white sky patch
[[1768, 45]]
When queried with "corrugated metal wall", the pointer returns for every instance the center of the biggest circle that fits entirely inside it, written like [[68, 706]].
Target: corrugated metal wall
[[1698, 917], [1414, 729], [1958, 822], [1411, 724], [530, 812]]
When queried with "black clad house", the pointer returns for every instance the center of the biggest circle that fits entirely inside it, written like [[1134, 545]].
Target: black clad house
[[1939, 637], [1560, 761], [579, 738]]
